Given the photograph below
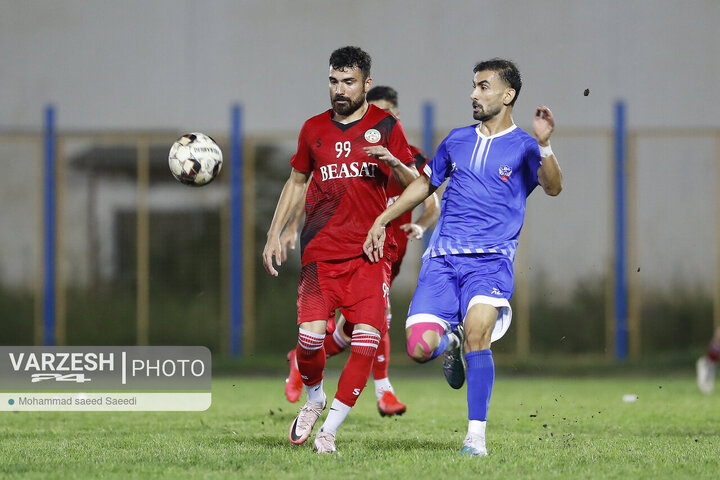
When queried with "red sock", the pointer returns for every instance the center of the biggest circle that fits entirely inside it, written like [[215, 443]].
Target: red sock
[[334, 343], [713, 352], [357, 369], [382, 358], [310, 356]]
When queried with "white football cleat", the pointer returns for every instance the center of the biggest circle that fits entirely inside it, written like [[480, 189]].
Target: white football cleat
[[705, 375], [325, 442], [474, 446], [303, 424]]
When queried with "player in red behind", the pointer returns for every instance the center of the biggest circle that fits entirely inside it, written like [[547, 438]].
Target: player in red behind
[[337, 338], [347, 153]]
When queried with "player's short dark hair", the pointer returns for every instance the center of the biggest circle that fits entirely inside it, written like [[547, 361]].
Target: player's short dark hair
[[507, 71], [382, 93], [350, 57]]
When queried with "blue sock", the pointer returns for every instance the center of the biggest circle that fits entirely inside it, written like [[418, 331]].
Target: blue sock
[[480, 378], [441, 348]]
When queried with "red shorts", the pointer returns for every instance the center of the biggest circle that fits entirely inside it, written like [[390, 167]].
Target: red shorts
[[356, 285], [395, 270]]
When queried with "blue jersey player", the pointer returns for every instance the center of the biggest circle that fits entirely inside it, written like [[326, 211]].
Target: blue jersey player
[[462, 299]]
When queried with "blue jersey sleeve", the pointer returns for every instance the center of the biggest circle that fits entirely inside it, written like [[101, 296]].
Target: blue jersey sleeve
[[440, 165], [532, 163]]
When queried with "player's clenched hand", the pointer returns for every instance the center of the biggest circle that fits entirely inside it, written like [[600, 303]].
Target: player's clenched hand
[[383, 154], [373, 246], [543, 124], [287, 240], [272, 250], [413, 230]]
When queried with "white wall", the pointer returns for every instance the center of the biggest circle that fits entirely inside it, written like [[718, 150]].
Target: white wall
[[163, 63]]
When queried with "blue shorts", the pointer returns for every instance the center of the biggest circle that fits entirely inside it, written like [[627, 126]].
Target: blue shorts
[[449, 285]]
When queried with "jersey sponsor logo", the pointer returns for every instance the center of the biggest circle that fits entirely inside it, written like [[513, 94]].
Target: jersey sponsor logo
[[372, 136], [318, 144], [356, 391], [505, 172], [348, 170]]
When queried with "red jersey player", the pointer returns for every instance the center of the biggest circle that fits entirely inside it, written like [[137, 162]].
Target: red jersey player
[[350, 151], [402, 228]]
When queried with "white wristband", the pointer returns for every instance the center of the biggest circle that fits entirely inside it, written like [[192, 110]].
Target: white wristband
[[546, 151]]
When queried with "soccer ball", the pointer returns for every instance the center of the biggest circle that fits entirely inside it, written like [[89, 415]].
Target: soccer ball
[[195, 159]]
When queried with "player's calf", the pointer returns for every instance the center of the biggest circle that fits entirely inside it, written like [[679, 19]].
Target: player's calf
[[335, 343], [355, 375], [310, 356]]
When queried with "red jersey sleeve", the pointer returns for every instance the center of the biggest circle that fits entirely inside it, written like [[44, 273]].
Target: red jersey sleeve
[[302, 160], [398, 145]]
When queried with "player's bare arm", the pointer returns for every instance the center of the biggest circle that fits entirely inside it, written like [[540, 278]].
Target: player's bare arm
[[549, 173], [288, 237], [412, 196], [292, 194], [403, 174], [428, 218]]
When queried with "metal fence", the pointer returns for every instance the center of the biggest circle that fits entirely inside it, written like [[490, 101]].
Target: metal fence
[[144, 259]]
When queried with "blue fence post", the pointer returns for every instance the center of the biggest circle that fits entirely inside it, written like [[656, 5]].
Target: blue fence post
[[428, 129], [428, 143], [49, 229], [621, 299], [236, 231]]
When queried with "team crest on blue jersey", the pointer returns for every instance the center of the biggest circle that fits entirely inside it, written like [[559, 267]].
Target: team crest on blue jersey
[[372, 136], [505, 173]]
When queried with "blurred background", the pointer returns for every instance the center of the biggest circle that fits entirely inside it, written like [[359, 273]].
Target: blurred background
[[99, 245]]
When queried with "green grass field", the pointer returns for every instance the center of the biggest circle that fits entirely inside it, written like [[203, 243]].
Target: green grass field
[[539, 428]]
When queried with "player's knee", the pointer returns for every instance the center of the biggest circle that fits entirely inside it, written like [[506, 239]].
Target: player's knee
[[418, 353], [422, 342]]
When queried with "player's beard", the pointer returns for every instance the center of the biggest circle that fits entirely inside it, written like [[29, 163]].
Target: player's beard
[[484, 114], [347, 108]]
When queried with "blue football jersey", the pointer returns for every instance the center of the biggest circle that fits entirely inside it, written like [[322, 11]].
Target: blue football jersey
[[483, 206]]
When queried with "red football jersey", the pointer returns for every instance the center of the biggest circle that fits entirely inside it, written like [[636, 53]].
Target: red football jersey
[[394, 190], [347, 190]]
